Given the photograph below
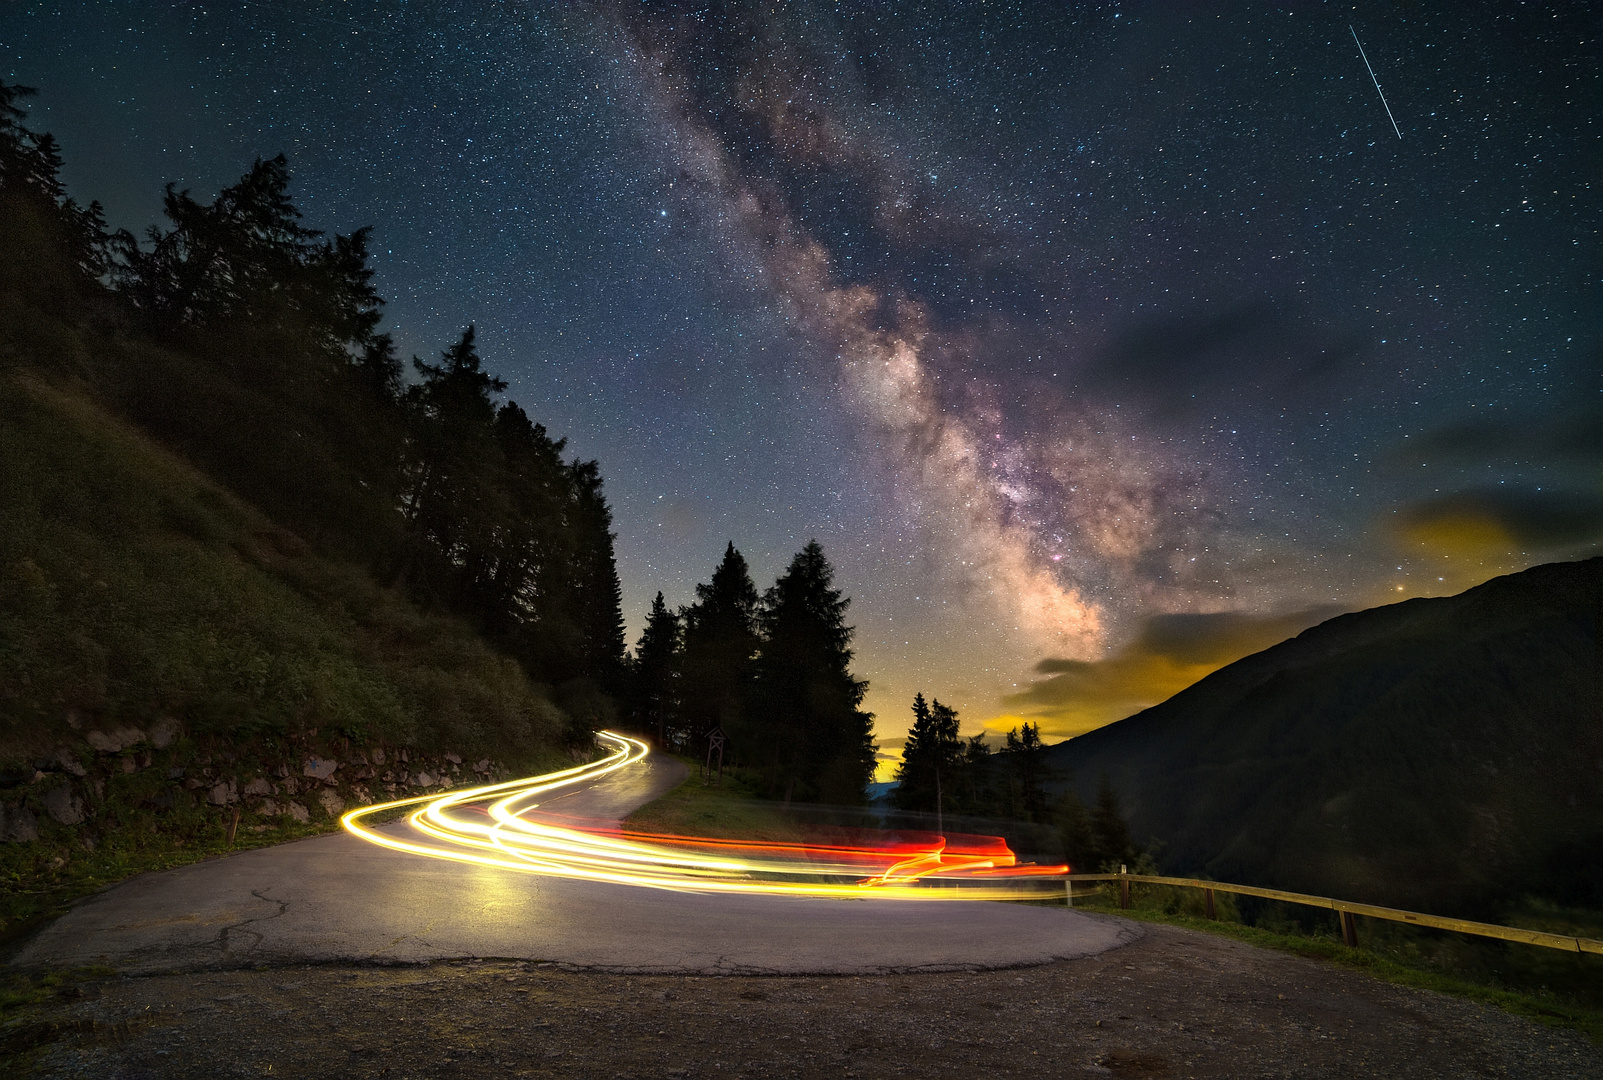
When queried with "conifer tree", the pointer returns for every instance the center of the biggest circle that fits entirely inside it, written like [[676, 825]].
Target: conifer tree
[[451, 496], [655, 672], [1026, 761], [269, 372], [978, 784], [721, 643], [1080, 848], [52, 250], [930, 776], [805, 725], [514, 577], [596, 594]]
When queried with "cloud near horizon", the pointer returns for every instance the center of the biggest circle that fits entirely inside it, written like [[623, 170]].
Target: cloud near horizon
[[1491, 522], [1170, 653]]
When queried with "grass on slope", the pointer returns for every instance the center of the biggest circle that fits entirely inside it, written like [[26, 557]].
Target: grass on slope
[[133, 589], [1392, 955], [730, 810]]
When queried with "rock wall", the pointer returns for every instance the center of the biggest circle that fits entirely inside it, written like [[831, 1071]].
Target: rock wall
[[113, 776]]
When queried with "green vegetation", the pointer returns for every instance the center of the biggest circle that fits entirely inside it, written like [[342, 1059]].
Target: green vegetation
[[26, 1000], [248, 576], [1552, 987], [773, 672], [731, 809], [248, 345], [139, 589]]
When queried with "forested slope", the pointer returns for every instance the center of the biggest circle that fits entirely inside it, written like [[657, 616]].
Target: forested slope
[[249, 573]]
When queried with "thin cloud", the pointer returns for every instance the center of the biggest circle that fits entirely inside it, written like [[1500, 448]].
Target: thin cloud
[[1494, 521], [1170, 653]]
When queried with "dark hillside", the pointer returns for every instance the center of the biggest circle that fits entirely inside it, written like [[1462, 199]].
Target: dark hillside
[[134, 588], [1438, 754], [249, 573]]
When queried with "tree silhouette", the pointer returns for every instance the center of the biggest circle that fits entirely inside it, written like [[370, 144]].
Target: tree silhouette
[[1028, 773], [721, 646], [804, 722], [451, 501], [249, 343], [655, 671], [52, 250], [930, 776]]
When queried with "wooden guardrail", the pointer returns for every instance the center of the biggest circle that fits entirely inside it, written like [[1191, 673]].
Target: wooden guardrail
[[1346, 909]]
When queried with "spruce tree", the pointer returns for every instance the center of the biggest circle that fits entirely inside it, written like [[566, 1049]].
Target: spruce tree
[[52, 250], [1026, 760], [806, 728], [930, 776], [978, 784], [515, 576], [655, 672], [596, 593], [721, 643], [452, 493]]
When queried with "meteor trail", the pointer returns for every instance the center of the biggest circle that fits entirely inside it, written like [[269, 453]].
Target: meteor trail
[[1376, 81]]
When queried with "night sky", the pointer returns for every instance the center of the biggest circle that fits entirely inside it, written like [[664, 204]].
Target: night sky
[[1097, 344]]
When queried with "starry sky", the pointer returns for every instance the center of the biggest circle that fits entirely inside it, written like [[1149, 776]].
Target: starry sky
[[1098, 344]]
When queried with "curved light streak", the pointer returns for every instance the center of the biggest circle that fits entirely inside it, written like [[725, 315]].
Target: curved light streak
[[492, 826]]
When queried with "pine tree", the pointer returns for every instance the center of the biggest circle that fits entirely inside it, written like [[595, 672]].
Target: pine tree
[[930, 776], [1026, 760], [515, 578], [268, 371], [52, 250], [596, 593], [805, 725], [451, 500], [721, 646], [655, 672], [915, 780], [978, 781]]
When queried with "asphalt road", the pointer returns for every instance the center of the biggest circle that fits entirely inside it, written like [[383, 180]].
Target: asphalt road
[[338, 898]]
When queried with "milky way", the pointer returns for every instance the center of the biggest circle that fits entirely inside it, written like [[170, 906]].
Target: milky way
[[1098, 345]]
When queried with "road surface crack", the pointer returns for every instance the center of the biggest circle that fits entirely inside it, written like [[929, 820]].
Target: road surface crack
[[225, 935]]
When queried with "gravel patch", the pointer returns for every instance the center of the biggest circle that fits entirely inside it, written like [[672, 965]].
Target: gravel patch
[[1174, 1004]]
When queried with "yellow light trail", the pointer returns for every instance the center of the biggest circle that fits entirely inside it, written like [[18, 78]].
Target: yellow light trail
[[492, 826]]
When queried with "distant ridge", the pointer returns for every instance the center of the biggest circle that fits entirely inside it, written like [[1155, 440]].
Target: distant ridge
[[1441, 754]]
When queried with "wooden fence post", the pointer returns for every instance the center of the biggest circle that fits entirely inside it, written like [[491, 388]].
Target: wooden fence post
[[1207, 902], [1124, 886], [1068, 891], [1349, 930]]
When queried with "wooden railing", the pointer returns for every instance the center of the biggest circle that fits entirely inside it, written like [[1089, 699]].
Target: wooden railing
[[1346, 909]]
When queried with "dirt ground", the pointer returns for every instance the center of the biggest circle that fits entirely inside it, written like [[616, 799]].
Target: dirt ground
[[1175, 1004]]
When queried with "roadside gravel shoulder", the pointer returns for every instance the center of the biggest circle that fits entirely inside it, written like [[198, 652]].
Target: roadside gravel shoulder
[[1176, 1003]]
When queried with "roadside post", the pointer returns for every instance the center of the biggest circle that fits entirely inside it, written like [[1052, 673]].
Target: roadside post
[[1124, 886]]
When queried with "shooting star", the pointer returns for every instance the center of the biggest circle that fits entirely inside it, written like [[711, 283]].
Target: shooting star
[[1376, 81]]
